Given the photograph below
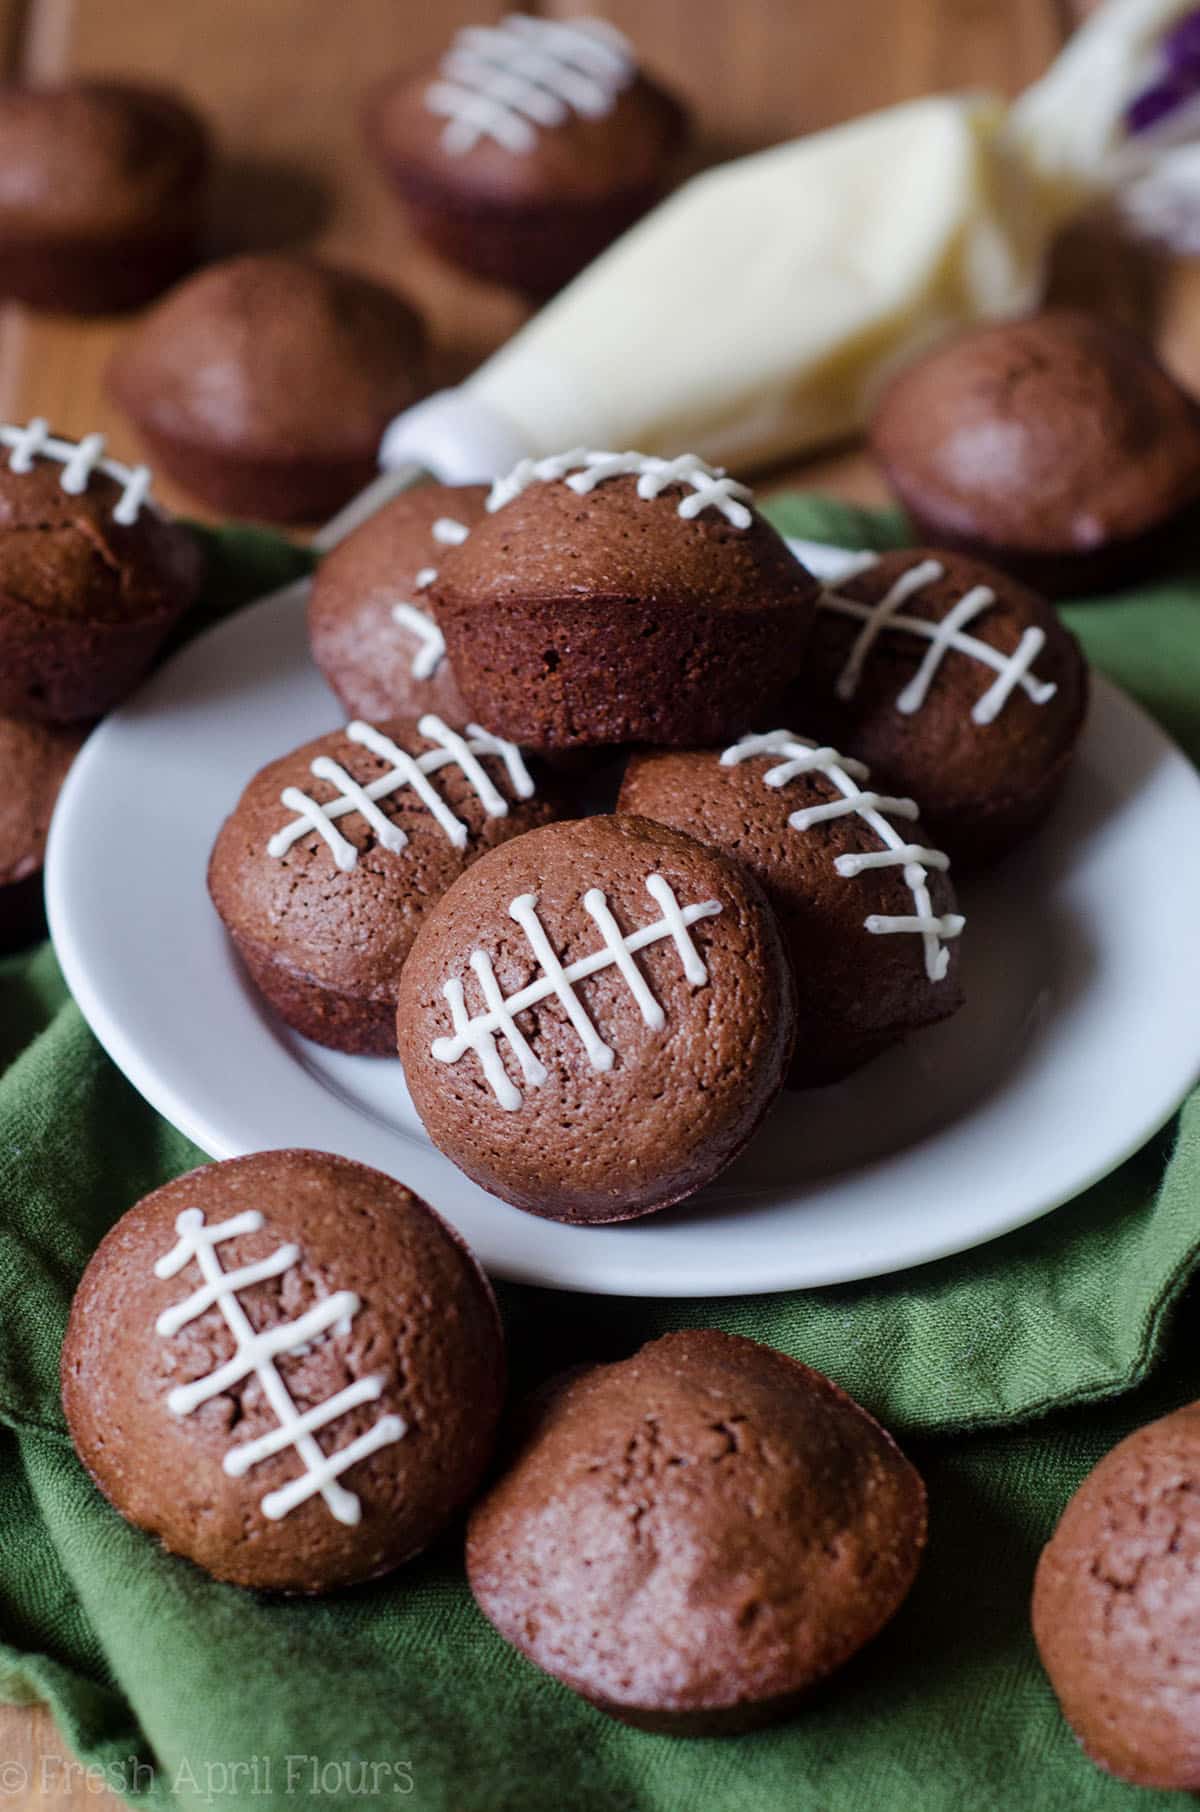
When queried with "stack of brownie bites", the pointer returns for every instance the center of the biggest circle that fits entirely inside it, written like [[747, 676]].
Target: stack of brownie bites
[[595, 1010], [92, 578]]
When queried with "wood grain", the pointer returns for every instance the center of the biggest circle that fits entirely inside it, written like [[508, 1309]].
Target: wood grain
[[282, 84]]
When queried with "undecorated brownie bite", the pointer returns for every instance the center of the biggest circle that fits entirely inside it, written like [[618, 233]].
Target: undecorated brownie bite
[[372, 627], [956, 685], [1057, 447], [595, 1018], [527, 147], [608, 598], [93, 575], [102, 193], [866, 906], [287, 1368], [34, 761], [693, 1538], [263, 384], [1116, 1607], [334, 854]]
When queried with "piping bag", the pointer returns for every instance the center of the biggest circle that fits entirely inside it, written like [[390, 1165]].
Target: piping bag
[[754, 314]]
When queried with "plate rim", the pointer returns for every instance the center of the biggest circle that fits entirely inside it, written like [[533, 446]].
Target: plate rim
[[165, 1094]]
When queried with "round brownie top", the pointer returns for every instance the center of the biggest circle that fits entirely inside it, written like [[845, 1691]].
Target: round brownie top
[[978, 709], [96, 160], [66, 554], [373, 629], [529, 112], [704, 1526], [272, 356], [34, 759], [246, 1295], [1116, 1606], [624, 1084], [1057, 434], [785, 810], [338, 894], [616, 526]]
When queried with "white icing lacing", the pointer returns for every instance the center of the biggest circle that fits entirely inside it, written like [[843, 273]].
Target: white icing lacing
[[504, 81], [709, 486], [802, 757], [478, 1034], [406, 770], [79, 459], [1012, 670], [431, 644], [257, 1352]]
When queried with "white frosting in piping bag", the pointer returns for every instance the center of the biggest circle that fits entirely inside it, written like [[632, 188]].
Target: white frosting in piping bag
[[750, 314], [754, 314]]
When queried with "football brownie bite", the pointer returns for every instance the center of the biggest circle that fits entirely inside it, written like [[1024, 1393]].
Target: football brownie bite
[[102, 189], [371, 626], [34, 760], [92, 576], [527, 147], [286, 1368], [263, 384], [610, 598], [1057, 447], [866, 907], [692, 1538], [956, 685], [595, 1018], [1116, 1606], [334, 854]]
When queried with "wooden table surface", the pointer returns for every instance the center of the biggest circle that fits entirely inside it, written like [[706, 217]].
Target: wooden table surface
[[281, 80]]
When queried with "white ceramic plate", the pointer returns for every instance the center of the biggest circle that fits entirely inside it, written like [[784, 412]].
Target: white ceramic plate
[[1081, 965]]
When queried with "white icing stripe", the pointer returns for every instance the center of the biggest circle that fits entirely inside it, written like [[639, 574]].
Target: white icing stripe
[[239, 1460], [431, 643], [479, 1034], [256, 1353], [171, 1320], [406, 770], [79, 459], [583, 469], [877, 621], [524, 911], [806, 758], [503, 81], [1013, 671]]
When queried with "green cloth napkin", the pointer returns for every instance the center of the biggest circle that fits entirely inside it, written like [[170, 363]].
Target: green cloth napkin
[[998, 1367]]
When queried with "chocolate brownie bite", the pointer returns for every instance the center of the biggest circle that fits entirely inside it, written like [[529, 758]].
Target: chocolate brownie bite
[[955, 684], [263, 384], [287, 1368], [34, 761], [334, 855], [529, 146], [372, 629], [1116, 1607], [693, 1538], [1057, 447], [611, 597], [102, 191], [92, 576], [595, 1018], [866, 907]]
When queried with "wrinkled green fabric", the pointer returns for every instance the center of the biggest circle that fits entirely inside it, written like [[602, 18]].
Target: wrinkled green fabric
[[999, 1368]]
